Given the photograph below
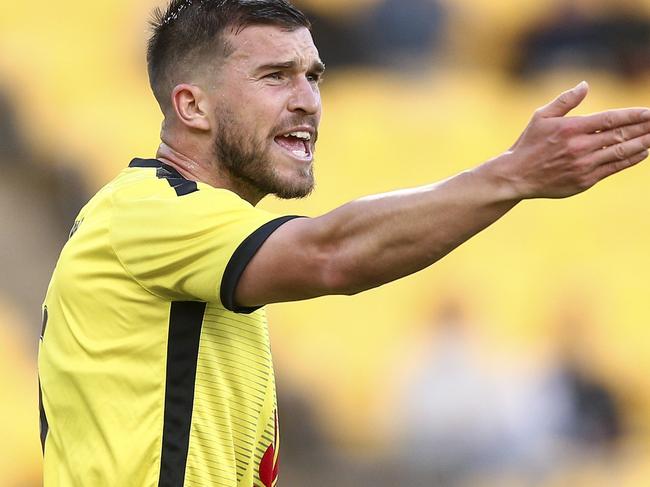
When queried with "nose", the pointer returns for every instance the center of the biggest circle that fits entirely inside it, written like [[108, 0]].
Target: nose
[[305, 97]]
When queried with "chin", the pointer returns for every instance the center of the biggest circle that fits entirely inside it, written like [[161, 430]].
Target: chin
[[294, 188], [291, 192], [291, 182]]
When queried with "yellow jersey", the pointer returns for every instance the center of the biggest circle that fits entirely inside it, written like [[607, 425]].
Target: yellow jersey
[[150, 375]]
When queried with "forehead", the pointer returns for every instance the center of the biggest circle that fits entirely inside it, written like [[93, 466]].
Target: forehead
[[261, 44]]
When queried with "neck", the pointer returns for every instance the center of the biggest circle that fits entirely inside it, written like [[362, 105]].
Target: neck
[[206, 171]]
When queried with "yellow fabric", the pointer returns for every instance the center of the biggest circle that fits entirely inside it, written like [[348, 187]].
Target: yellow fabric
[[137, 247]]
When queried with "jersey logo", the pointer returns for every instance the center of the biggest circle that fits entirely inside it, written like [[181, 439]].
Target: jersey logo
[[271, 460], [75, 227]]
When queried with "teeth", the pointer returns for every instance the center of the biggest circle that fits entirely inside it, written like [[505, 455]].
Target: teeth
[[301, 135], [300, 153]]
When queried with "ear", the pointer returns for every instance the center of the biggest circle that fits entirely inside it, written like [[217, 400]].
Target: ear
[[191, 106]]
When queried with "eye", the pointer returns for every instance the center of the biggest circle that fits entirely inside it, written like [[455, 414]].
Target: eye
[[277, 76], [314, 78]]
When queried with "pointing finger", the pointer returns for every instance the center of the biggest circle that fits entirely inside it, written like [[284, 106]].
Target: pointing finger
[[621, 152], [611, 119], [613, 167], [616, 136]]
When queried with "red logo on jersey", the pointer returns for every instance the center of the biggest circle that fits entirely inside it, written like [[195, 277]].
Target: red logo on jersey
[[270, 461]]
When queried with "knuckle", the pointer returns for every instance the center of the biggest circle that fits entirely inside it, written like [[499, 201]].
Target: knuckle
[[584, 182], [576, 171], [620, 152], [568, 129], [584, 167], [620, 165], [608, 120], [645, 141], [625, 163], [576, 147], [636, 158], [619, 135], [562, 135]]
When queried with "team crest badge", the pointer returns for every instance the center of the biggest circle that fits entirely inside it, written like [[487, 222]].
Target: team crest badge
[[271, 460]]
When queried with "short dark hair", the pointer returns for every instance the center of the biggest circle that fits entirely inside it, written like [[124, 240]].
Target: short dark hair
[[189, 28]]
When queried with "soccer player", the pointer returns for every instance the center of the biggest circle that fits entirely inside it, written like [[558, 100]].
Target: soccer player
[[154, 362]]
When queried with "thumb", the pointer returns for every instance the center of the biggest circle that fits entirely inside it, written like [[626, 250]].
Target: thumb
[[566, 102]]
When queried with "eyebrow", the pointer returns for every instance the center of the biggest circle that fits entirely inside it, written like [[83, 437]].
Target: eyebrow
[[317, 67]]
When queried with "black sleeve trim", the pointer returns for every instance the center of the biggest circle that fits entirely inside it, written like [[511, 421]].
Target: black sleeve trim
[[137, 162], [240, 259]]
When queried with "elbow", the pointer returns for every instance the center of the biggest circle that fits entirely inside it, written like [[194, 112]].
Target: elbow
[[341, 275], [338, 282]]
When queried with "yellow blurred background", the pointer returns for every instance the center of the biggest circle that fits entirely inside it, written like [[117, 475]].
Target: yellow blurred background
[[553, 279]]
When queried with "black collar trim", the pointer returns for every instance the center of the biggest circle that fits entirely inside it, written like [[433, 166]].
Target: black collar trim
[[181, 185], [145, 163]]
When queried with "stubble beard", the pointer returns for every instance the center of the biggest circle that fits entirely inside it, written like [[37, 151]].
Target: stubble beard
[[249, 164]]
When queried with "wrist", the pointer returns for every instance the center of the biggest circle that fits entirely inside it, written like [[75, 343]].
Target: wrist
[[503, 183]]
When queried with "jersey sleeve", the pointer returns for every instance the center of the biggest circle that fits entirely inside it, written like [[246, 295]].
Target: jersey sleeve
[[192, 247]]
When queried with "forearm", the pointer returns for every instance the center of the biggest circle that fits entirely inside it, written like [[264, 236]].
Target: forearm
[[381, 238], [378, 239]]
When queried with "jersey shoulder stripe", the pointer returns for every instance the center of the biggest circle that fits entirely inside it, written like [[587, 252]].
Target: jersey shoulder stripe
[[181, 185]]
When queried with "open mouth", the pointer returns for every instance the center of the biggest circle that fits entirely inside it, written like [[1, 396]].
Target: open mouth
[[297, 143]]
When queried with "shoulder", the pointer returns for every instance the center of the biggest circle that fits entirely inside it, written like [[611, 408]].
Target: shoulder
[[152, 201], [148, 185]]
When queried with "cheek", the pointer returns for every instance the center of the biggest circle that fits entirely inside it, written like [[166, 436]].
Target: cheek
[[254, 113], [264, 107]]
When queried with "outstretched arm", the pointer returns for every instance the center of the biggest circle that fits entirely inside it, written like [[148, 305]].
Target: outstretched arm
[[377, 239]]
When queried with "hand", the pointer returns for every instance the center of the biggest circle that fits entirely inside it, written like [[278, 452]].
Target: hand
[[559, 156]]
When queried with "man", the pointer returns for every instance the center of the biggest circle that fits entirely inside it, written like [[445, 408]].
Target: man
[[154, 363]]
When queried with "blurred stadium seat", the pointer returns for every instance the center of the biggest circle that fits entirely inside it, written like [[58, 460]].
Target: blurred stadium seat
[[75, 72]]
